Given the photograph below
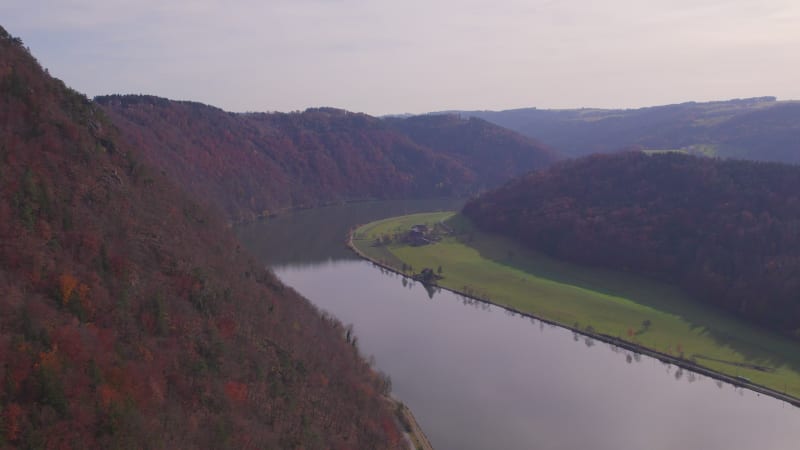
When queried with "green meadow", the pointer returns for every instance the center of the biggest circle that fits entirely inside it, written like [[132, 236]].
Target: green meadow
[[646, 313]]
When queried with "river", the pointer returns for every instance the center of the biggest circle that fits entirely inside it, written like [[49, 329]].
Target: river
[[479, 377]]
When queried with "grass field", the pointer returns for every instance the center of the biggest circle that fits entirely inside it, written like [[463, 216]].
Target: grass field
[[644, 312]]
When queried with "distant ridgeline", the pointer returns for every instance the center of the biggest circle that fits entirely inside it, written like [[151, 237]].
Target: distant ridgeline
[[760, 129], [727, 231], [249, 165], [129, 317]]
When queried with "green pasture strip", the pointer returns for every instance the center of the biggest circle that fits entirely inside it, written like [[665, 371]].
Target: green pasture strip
[[645, 312], [661, 151]]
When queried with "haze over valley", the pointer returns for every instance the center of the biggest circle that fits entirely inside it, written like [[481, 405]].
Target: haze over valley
[[353, 225]]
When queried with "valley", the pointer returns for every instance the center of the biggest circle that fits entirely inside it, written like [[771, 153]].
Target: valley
[[479, 376], [178, 275]]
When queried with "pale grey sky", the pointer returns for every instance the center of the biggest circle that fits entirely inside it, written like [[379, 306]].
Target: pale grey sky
[[417, 55]]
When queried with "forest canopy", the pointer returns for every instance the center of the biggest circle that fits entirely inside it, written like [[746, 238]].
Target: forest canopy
[[727, 231]]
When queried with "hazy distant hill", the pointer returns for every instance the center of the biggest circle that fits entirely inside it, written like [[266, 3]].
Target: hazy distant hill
[[725, 230], [129, 317], [758, 128], [493, 153], [247, 164]]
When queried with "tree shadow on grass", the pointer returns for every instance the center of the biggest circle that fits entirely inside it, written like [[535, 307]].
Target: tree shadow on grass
[[758, 346]]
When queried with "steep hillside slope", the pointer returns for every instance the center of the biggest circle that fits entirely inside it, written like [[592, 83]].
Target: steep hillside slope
[[725, 230], [130, 318], [493, 153], [760, 129], [247, 164]]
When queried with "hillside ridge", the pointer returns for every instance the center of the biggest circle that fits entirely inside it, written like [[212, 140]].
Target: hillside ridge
[[254, 164], [131, 317], [759, 128]]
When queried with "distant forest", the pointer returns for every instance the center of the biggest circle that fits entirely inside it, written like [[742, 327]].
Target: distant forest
[[758, 129], [726, 231]]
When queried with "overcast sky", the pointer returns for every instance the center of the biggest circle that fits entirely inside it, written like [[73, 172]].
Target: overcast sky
[[417, 55]]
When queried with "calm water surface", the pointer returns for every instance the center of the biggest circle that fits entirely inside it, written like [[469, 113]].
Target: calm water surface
[[479, 377]]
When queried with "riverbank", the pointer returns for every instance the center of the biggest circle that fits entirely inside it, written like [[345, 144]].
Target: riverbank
[[583, 307], [416, 438]]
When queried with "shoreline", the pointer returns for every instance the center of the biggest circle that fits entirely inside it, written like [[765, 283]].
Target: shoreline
[[287, 210], [415, 436], [608, 339]]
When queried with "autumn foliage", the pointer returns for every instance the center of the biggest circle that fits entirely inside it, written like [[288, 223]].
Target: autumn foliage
[[130, 317], [253, 164], [67, 284]]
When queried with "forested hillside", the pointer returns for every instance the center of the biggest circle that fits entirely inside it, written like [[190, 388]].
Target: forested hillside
[[129, 316], [725, 230], [252, 164], [493, 153], [760, 129]]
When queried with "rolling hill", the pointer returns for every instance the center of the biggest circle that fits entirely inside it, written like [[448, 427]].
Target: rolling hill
[[760, 129], [253, 164], [494, 154]]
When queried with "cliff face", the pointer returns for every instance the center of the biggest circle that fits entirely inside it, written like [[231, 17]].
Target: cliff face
[[131, 318]]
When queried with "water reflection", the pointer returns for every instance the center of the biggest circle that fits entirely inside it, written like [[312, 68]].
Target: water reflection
[[431, 290], [318, 235], [479, 377]]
